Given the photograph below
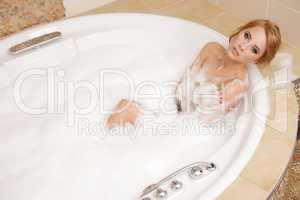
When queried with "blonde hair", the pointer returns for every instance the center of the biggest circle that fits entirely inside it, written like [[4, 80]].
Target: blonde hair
[[272, 34]]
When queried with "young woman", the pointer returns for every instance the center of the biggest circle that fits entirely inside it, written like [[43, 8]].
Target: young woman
[[223, 68]]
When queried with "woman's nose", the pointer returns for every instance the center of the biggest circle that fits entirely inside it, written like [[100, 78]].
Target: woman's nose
[[243, 46]]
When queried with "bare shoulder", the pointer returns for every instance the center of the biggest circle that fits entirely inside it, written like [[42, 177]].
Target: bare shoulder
[[213, 49], [214, 46], [210, 54]]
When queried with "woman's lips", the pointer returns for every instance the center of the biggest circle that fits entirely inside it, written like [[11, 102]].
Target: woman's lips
[[235, 52]]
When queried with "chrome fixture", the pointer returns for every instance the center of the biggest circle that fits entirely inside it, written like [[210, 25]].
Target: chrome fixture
[[195, 171], [211, 167], [34, 42], [161, 194], [176, 185]]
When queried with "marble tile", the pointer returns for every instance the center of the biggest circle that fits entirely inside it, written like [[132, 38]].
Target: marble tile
[[284, 112], [216, 2], [121, 6], [243, 189], [289, 134], [223, 23], [269, 161], [160, 4], [246, 9], [75, 7], [194, 10], [286, 18], [279, 124], [279, 101], [292, 4], [285, 123], [295, 52], [18, 15]]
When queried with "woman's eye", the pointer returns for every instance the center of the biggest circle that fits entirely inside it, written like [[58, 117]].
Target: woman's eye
[[254, 50], [247, 35]]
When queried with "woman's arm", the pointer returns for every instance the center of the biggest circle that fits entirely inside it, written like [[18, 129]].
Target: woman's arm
[[125, 112], [211, 55]]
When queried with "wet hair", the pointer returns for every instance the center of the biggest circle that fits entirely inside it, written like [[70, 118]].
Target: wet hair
[[272, 34]]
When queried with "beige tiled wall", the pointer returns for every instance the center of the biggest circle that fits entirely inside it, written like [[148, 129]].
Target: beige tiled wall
[[286, 13], [288, 19], [75, 7]]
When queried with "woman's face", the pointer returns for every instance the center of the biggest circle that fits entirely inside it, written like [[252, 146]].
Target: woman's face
[[248, 45]]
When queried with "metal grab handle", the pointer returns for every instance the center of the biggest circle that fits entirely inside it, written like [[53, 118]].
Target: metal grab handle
[[34, 42], [206, 165]]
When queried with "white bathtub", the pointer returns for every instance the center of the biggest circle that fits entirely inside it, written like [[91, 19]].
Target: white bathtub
[[49, 151]]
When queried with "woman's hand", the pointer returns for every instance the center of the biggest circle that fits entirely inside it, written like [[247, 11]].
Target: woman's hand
[[229, 95], [125, 112]]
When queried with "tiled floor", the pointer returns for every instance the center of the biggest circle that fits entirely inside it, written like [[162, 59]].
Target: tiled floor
[[200, 11], [277, 144]]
